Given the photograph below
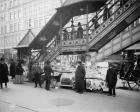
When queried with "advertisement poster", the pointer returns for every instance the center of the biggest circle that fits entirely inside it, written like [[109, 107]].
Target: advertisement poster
[[95, 76]]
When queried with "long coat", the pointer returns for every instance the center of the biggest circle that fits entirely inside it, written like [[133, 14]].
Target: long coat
[[19, 69], [79, 77], [111, 77], [3, 73], [48, 70], [36, 71], [80, 32], [13, 69]]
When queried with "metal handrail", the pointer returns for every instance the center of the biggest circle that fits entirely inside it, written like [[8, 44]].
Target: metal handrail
[[102, 14]]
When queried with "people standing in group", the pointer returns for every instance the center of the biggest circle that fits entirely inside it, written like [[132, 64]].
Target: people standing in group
[[79, 78], [19, 73], [12, 68], [79, 31], [36, 71], [111, 79], [3, 73], [48, 70]]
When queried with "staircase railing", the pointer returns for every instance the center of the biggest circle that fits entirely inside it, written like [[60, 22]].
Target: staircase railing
[[114, 15], [100, 23]]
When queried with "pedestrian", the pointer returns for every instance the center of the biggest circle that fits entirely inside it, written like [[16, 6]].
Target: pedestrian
[[12, 69], [111, 79], [106, 13], [122, 73], [48, 70], [36, 72], [79, 31], [3, 73], [79, 78], [95, 22], [65, 34], [19, 73], [73, 32]]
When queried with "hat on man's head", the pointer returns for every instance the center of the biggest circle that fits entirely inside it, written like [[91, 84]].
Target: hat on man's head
[[114, 65]]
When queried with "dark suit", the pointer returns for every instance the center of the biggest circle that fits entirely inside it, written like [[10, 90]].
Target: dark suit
[[3, 74], [79, 78], [111, 79], [48, 70]]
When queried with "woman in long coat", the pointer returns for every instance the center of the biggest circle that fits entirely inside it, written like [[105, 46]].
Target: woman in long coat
[[3, 73], [79, 78]]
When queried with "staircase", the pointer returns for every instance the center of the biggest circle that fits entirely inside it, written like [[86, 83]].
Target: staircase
[[119, 19], [117, 22], [119, 43]]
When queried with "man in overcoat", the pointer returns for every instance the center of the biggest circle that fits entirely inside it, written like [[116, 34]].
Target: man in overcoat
[[12, 69], [3, 73], [111, 79], [36, 71], [79, 78], [48, 70]]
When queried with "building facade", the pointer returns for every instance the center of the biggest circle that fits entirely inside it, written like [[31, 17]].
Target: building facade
[[17, 16]]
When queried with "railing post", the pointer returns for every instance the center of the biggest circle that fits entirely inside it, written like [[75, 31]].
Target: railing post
[[60, 31]]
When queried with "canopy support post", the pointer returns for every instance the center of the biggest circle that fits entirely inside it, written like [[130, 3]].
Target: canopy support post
[[60, 31], [87, 28]]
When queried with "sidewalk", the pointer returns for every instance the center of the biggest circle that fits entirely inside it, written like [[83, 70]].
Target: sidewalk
[[26, 98]]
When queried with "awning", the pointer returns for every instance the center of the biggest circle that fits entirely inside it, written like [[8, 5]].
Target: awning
[[69, 9], [27, 39]]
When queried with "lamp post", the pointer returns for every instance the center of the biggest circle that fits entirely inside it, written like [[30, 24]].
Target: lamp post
[[87, 11], [4, 45]]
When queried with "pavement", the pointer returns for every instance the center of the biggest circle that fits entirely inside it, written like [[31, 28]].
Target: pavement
[[26, 98]]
